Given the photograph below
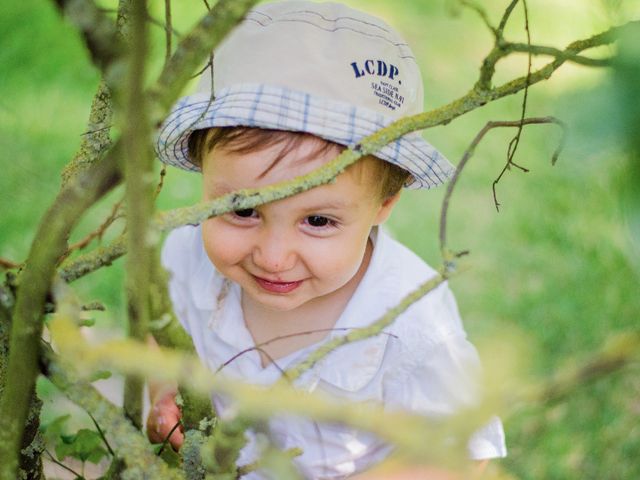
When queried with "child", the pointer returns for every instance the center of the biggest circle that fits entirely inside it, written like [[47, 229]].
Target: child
[[293, 85]]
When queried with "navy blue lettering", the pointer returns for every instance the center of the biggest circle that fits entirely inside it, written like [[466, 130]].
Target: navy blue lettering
[[375, 67], [368, 66], [359, 73], [382, 68]]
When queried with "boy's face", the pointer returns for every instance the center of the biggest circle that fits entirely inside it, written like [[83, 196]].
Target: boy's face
[[293, 251]]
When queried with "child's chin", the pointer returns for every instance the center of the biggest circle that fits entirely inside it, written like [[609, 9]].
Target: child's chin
[[278, 303]]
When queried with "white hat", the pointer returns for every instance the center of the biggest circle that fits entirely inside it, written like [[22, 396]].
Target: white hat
[[320, 68]]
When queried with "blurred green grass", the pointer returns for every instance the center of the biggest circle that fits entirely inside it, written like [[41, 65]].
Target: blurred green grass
[[555, 265]]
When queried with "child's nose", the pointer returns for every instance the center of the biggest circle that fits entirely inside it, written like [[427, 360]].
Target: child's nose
[[274, 253]]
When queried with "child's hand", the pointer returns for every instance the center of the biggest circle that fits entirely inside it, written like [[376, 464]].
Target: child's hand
[[163, 416]]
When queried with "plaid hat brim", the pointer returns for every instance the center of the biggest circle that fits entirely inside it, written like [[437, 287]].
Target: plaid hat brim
[[280, 108]]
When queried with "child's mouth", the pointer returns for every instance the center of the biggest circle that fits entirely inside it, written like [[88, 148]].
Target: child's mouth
[[277, 287]]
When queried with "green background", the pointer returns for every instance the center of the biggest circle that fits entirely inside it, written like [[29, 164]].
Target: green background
[[551, 275]]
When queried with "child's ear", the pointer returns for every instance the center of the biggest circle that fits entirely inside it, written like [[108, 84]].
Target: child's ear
[[386, 207]]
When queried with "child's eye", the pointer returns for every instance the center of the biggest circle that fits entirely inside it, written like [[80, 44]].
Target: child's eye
[[245, 212], [319, 221]]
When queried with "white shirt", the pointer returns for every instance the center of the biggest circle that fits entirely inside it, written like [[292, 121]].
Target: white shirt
[[423, 362]]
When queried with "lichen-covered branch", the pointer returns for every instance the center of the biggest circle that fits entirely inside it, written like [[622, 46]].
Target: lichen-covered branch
[[49, 244], [96, 140], [139, 189], [86, 263]]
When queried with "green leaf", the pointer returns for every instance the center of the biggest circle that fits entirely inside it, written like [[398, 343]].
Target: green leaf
[[88, 444], [54, 429], [64, 450], [100, 375], [85, 445]]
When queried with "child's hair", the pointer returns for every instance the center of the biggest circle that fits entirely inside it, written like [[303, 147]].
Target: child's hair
[[389, 178]]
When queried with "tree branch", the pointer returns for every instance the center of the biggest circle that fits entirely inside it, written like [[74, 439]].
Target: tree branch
[[139, 188], [505, 17], [49, 244], [557, 53], [90, 262]]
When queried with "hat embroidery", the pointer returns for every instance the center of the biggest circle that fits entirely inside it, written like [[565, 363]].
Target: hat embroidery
[[387, 93]]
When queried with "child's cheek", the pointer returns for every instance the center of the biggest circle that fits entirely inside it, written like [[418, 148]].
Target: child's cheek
[[224, 244], [337, 260]]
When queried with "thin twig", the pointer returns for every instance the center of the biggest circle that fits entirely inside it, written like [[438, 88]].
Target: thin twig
[[472, 5], [163, 174], [505, 16], [557, 53], [8, 264], [60, 464], [284, 337], [97, 233], [168, 28], [469, 153], [513, 145], [102, 435], [167, 437], [202, 70]]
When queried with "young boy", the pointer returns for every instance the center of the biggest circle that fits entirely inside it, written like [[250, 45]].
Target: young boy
[[293, 85]]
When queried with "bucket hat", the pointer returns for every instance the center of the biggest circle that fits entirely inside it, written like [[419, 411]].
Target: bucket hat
[[321, 68]]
